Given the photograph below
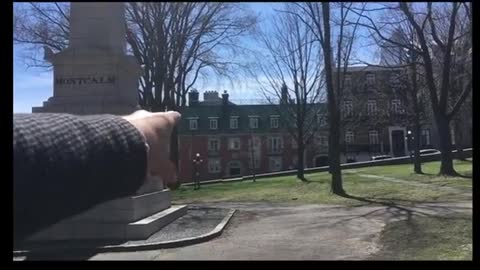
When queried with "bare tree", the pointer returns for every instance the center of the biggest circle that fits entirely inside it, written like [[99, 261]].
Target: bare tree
[[37, 25], [291, 72], [438, 31], [174, 42], [317, 17]]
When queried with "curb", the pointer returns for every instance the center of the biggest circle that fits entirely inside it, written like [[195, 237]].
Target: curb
[[138, 247]]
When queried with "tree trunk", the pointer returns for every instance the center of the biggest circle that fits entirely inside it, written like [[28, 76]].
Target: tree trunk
[[446, 166], [459, 138], [300, 167], [334, 126], [334, 155], [417, 164]]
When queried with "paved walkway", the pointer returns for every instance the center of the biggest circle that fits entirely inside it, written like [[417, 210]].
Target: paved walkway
[[266, 231]]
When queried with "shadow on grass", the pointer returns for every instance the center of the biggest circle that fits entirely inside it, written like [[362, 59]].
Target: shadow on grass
[[403, 209]]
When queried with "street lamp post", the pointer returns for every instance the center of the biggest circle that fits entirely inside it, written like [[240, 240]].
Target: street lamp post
[[196, 174], [410, 138]]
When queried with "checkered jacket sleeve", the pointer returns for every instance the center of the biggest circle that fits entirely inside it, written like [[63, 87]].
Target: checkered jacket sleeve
[[65, 164]]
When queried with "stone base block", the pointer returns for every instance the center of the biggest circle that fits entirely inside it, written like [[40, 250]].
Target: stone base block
[[90, 230]]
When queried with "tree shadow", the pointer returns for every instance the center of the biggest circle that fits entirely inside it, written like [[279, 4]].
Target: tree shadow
[[403, 209]]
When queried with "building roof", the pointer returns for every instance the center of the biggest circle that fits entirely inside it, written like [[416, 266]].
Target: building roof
[[242, 112]]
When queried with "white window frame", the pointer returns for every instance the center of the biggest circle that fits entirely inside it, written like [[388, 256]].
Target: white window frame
[[348, 80], [396, 105], [210, 148], [321, 119], [211, 121], [214, 165], [253, 122], [348, 108], [193, 124], [276, 162], [349, 137], [274, 121], [256, 160], [370, 78], [373, 137], [233, 120], [294, 143], [426, 133], [371, 107], [275, 144], [257, 143], [234, 144]]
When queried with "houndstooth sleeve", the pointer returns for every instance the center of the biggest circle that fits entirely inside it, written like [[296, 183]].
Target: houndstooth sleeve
[[65, 164]]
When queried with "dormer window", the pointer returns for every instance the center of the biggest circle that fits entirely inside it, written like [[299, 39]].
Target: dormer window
[[253, 122], [234, 122], [213, 122], [274, 119], [193, 124]]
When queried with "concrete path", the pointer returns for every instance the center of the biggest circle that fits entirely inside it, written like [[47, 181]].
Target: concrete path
[[266, 231]]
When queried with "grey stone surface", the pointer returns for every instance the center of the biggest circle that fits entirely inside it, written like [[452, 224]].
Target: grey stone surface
[[264, 231], [94, 74], [196, 223]]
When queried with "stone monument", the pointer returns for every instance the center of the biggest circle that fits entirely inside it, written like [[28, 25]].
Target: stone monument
[[95, 75]]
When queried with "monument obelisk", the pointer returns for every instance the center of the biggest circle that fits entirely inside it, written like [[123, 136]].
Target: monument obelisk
[[95, 75]]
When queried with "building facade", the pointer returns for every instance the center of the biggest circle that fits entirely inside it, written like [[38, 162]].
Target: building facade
[[237, 140]]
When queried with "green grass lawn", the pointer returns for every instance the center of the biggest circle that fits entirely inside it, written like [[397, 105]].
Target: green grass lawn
[[427, 238], [317, 190], [430, 170]]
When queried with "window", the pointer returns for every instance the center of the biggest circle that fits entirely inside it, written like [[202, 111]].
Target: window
[[253, 122], [349, 137], [294, 143], [425, 137], [233, 122], [321, 140], [395, 79], [275, 144], [214, 165], [370, 78], [193, 123], [275, 164], [373, 137], [213, 145], [213, 123], [274, 121], [256, 161], [372, 107], [396, 106], [234, 144], [347, 108], [321, 120], [256, 144], [348, 80], [452, 134]]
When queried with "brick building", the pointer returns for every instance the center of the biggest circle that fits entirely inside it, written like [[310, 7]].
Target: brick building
[[375, 121]]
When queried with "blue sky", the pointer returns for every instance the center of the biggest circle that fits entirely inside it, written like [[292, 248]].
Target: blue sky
[[32, 86]]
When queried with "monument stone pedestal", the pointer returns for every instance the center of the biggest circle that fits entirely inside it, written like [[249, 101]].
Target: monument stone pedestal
[[94, 75]]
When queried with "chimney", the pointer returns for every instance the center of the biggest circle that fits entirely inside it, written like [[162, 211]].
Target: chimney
[[225, 97], [193, 97], [284, 94]]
